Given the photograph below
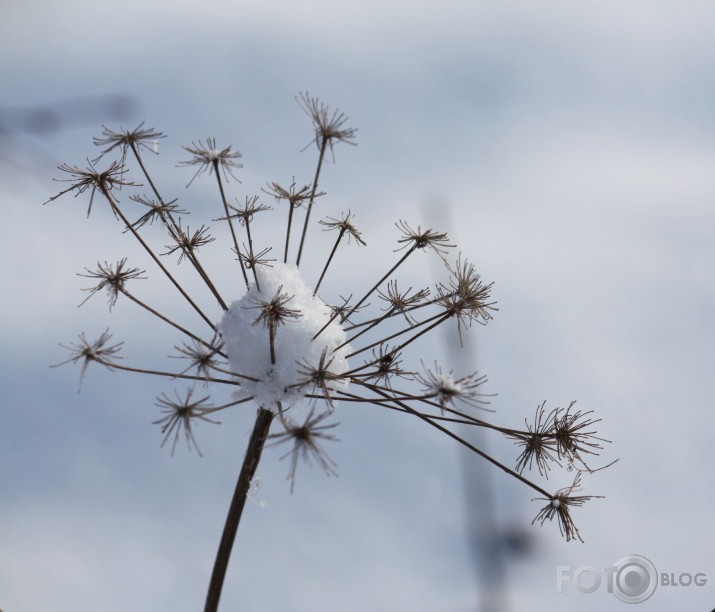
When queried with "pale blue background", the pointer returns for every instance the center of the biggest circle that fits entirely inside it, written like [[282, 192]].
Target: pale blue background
[[570, 149]]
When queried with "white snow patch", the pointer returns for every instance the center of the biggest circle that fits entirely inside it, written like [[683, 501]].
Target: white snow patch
[[246, 340]]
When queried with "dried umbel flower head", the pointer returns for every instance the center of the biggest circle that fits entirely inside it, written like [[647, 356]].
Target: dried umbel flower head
[[179, 415], [559, 506], [560, 434], [157, 210], [446, 390], [329, 127], [201, 356], [113, 279], [90, 178], [98, 351], [209, 157], [281, 345], [306, 440], [125, 140]]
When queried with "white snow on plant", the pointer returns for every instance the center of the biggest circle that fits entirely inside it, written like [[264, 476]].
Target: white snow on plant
[[445, 386], [246, 340]]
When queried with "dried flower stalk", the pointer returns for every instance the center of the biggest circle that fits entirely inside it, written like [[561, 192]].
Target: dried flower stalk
[[279, 314]]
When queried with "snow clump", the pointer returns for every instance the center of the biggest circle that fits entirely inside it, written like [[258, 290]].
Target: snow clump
[[246, 341]]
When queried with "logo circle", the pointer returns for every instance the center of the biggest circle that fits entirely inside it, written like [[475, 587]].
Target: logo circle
[[635, 579]]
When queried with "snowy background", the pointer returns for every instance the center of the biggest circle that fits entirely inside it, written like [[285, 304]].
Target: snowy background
[[569, 149]]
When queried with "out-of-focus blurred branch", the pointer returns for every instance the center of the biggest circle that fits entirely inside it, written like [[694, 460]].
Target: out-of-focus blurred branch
[[494, 543], [52, 116], [22, 125]]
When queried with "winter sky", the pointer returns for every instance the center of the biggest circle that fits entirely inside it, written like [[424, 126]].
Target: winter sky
[[567, 147]]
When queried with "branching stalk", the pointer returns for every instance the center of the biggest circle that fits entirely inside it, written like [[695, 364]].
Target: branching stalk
[[191, 255], [115, 207]]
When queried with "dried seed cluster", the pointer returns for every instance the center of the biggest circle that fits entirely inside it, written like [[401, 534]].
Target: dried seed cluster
[[284, 349]]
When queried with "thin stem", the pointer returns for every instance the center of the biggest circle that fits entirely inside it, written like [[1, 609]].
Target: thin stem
[[290, 222], [370, 325], [117, 366], [137, 156], [170, 322], [248, 470], [426, 400], [323, 146], [330, 258], [440, 319], [462, 441], [250, 249], [378, 283], [392, 313], [115, 207], [385, 403], [224, 406], [367, 295], [191, 255], [272, 341], [232, 373], [437, 318], [332, 318], [228, 218]]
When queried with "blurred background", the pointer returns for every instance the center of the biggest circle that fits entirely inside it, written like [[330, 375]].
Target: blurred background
[[568, 149]]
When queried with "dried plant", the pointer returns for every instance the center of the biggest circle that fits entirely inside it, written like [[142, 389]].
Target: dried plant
[[285, 351]]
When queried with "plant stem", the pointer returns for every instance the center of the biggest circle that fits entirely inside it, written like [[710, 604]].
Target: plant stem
[[290, 221], [170, 322], [323, 145], [427, 419], [378, 283], [330, 258], [190, 254], [228, 220], [118, 211], [248, 470]]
